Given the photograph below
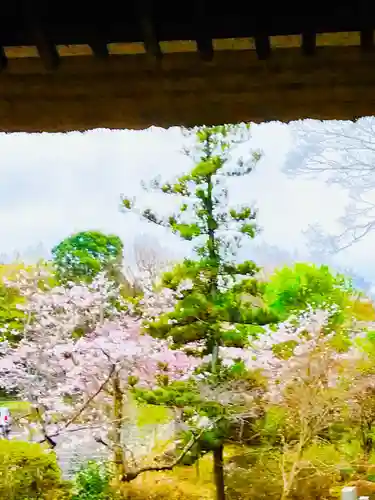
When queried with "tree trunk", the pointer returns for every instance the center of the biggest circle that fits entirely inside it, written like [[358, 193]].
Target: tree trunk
[[118, 407], [289, 479], [218, 455], [368, 446], [366, 440]]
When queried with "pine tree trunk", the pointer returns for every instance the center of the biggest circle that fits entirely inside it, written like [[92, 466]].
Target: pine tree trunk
[[218, 455], [366, 438]]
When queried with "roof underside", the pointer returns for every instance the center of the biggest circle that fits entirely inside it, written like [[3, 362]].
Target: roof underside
[[46, 24], [144, 62]]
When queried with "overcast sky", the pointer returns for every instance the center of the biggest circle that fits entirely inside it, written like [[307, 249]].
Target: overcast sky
[[55, 184]]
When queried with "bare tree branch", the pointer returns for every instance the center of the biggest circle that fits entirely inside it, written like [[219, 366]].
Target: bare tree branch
[[48, 438], [342, 153], [91, 398], [150, 260], [131, 475]]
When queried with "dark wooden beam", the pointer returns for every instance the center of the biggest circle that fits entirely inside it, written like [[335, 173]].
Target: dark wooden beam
[[365, 10], [308, 45], [98, 39], [144, 9], [367, 40], [150, 39], [205, 48], [262, 46], [3, 59], [99, 48], [46, 48], [203, 38]]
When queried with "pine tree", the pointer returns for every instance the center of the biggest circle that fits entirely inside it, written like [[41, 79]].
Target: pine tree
[[222, 304]]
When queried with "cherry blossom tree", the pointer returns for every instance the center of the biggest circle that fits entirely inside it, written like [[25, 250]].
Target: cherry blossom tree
[[304, 371], [359, 410], [81, 353]]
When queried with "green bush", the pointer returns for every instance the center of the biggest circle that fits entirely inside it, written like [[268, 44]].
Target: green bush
[[92, 482], [29, 472]]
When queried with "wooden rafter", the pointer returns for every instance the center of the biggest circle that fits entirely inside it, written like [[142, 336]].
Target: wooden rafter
[[308, 43], [46, 48], [147, 21], [97, 40], [150, 40], [3, 59], [367, 40], [205, 48], [148, 28], [262, 46], [99, 48], [366, 21], [202, 31]]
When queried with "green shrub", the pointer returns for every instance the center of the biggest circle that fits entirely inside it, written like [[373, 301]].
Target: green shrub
[[29, 472], [92, 482]]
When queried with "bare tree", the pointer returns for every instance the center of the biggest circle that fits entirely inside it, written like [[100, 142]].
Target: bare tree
[[342, 153], [312, 402], [148, 261]]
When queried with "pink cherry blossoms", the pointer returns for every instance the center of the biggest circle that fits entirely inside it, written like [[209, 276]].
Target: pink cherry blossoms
[[75, 343], [83, 349], [307, 341]]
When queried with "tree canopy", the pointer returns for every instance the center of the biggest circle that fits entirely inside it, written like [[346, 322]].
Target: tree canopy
[[84, 255], [12, 316], [295, 288]]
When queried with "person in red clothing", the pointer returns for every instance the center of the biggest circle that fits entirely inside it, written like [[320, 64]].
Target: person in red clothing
[[5, 421]]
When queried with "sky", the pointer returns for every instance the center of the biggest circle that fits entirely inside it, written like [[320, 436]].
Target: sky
[[53, 185]]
